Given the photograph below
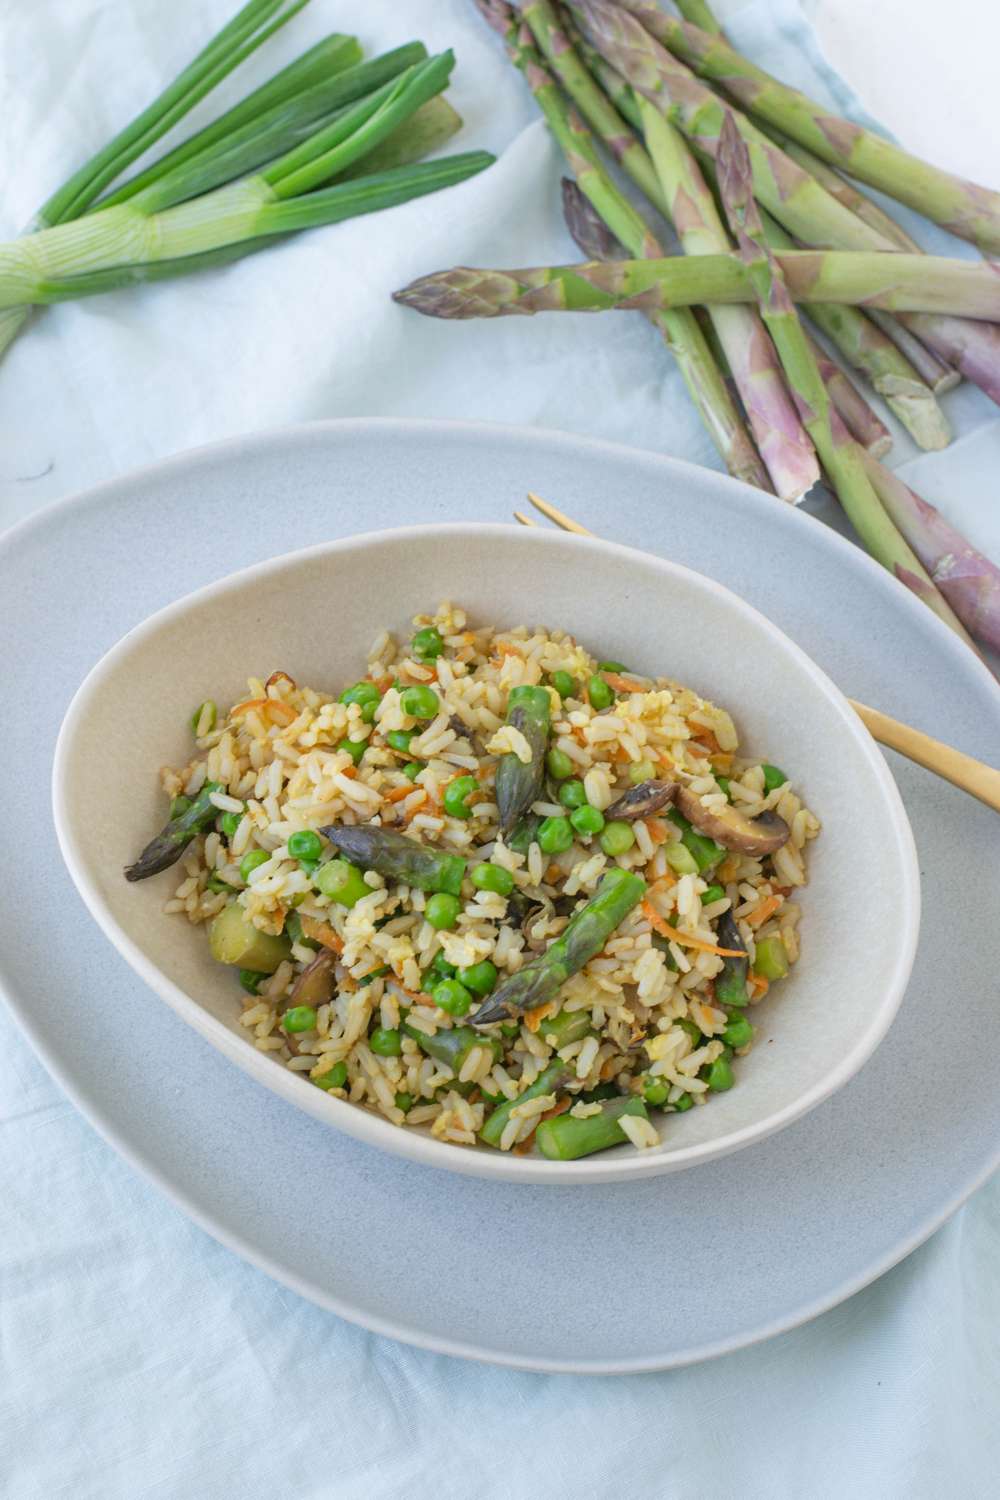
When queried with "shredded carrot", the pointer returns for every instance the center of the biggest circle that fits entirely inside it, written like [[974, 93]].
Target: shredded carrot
[[398, 793], [763, 910], [727, 870], [722, 761], [350, 772], [706, 736], [759, 985], [666, 881], [534, 1018], [270, 708], [609, 1069], [657, 830], [699, 751], [507, 648], [623, 684], [684, 939], [322, 932], [385, 683], [552, 874]]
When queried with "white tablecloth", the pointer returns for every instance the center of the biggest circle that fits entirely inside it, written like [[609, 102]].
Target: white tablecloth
[[138, 1358]]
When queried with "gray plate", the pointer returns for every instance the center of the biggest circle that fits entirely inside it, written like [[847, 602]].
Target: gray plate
[[617, 1278]]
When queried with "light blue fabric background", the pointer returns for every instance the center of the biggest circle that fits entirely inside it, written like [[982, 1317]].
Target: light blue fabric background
[[139, 1359]]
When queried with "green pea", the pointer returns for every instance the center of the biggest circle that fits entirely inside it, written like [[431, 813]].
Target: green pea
[[252, 861], [611, 666], [722, 782], [600, 695], [179, 805], [719, 1076], [510, 1029], [642, 770], [492, 878], [712, 893], [684, 1103], [559, 764], [452, 996], [354, 748], [299, 1018], [774, 777], [342, 882], [442, 910], [739, 1032], [399, 739], [335, 1078], [680, 859], [305, 844], [706, 851], [572, 794], [479, 978], [563, 684], [655, 1091], [413, 770], [587, 820], [366, 695], [440, 965], [209, 709], [251, 980], [385, 1042], [618, 836], [403, 1101], [456, 796], [555, 835], [771, 961], [229, 822], [216, 885], [420, 702], [427, 644]]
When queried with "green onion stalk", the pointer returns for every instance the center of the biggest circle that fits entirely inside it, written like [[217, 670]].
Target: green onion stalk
[[805, 208], [285, 196], [252, 25], [625, 225], [842, 458]]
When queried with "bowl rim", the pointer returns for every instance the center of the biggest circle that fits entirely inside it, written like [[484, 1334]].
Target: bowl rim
[[371, 1128]]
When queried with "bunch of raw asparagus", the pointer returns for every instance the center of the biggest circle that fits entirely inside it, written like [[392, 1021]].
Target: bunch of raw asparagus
[[328, 137], [759, 184]]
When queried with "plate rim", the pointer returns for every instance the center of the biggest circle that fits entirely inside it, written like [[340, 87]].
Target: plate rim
[[93, 1113], [370, 1128]]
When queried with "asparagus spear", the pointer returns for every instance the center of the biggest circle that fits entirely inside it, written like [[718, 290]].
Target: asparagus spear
[[963, 208], [546, 1083], [617, 88], [398, 858], [795, 198], [678, 327], [867, 349], [861, 421], [565, 1138], [841, 456], [451, 1047], [731, 983], [931, 369], [699, 13], [781, 440], [596, 109], [518, 785], [168, 846], [716, 406], [967, 579], [586, 933], [920, 283]]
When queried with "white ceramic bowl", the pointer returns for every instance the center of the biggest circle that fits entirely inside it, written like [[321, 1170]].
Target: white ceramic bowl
[[313, 614]]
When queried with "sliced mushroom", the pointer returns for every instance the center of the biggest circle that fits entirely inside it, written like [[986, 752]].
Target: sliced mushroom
[[731, 828], [316, 984], [643, 800]]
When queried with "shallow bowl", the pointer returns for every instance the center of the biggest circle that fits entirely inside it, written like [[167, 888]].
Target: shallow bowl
[[314, 613]]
